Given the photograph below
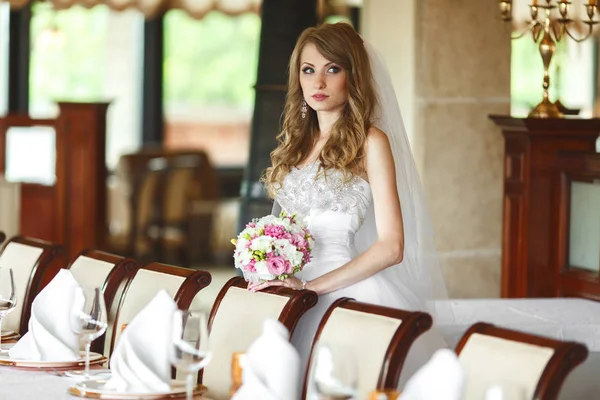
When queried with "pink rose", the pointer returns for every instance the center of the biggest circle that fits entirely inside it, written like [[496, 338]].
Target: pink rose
[[299, 241], [278, 265], [290, 268]]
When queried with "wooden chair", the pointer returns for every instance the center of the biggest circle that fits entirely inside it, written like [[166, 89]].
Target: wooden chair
[[140, 188], [92, 269], [31, 262], [167, 199], [377, 337], [532, 365], [181, 283], [189, 191], [236, 320]]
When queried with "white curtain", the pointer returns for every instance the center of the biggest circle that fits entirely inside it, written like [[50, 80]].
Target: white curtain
[[196, 8]]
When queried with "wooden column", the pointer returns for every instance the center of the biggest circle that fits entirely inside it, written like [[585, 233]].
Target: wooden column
[[530, 237], [80, 189], [282, 23]]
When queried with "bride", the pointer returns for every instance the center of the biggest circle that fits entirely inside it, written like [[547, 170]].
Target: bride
[[344, 163]]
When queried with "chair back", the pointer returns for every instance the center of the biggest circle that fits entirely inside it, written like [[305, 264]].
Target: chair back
[[532, 366], [181, 283], [236, 320], [10, 198], [30, 260], [375, 338], [92, 269]]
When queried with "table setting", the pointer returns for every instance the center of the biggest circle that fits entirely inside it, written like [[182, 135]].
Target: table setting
[[53, 359]]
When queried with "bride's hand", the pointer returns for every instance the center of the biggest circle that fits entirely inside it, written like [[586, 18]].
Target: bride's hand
[[292, 283]]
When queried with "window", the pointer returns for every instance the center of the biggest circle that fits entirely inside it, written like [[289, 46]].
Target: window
[[27, 163], [572, 76], [84, 55], [210, 68]]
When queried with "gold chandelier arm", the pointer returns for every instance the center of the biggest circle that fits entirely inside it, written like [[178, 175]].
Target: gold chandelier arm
[[590, 25], [530, 26]]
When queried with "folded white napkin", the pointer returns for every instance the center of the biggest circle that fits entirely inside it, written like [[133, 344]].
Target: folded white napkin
[[50, 337], [442, 378], [140, 362], [271, 366]]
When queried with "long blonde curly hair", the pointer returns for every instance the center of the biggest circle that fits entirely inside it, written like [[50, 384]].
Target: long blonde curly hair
[[344, 149]]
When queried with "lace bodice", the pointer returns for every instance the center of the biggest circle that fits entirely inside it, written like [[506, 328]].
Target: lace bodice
[[302, 194]]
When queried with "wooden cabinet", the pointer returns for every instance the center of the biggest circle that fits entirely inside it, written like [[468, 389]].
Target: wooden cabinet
[[71, 211], [578, 246], [535, 192]]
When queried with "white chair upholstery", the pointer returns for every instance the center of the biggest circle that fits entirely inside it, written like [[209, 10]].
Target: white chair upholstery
[[10, 198], [515, 366], [144, 286], [21, 258], [365, 337], [91, 270], [90, 273], [236, 324]]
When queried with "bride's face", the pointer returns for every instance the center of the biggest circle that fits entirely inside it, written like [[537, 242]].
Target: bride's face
[[323, 82]]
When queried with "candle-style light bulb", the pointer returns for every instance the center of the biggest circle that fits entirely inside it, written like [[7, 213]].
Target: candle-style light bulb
[[505, 9]]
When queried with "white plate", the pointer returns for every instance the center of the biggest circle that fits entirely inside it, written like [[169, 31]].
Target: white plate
[[95, 359], [95, 389]]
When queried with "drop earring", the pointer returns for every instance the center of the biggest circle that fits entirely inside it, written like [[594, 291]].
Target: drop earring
[[304, 109]]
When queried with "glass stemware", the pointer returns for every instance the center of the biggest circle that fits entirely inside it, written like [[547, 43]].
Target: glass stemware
[[334, 373], [88, 321], [8, 297], [190, 350]]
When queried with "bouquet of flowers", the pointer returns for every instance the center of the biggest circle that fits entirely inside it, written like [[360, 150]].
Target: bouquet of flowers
[[273, 248]]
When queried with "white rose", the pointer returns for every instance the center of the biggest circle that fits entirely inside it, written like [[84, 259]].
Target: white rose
[[267, 220], [249, 231], [281, 243], [261, 243], [295, 258], [261, 268], [242, 244], [244, 257]]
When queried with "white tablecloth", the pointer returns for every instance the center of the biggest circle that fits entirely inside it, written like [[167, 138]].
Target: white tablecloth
[[564, 319], [27, 385]]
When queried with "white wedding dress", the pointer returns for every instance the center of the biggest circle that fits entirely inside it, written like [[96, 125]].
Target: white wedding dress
[[335, 211]]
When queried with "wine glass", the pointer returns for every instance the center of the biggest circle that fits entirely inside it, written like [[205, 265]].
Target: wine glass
[[88, 321], [190, 348], [334, 373], [8, 297]]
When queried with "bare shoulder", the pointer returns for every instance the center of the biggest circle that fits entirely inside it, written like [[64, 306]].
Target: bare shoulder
[[377, 142]]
